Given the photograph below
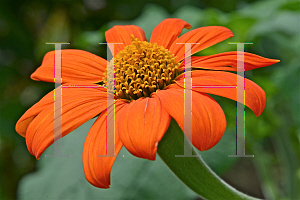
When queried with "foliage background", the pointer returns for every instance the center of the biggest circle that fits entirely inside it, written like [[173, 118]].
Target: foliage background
[[273, 27]]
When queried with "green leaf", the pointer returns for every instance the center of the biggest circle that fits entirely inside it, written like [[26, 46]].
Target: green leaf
[[192, 170], [131, 177]]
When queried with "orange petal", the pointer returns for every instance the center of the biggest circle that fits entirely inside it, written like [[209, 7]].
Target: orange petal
[[144, 123], [205, 36], [121, 34], [76, 66], [167, 31], [228, 61], [78, 106], [255, 97], [208, 119], [97, 167], [30, 114]]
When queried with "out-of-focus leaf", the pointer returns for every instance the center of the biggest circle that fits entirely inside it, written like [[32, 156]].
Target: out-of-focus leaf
[[287, 22], [191, 14], [293, 5], [261, 9], [290, 87]]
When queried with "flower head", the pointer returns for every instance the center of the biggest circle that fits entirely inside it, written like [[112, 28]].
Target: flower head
[[142, 68], [148, 90]]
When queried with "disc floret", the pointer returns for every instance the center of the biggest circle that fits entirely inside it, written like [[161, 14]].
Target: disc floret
[[140, 69]]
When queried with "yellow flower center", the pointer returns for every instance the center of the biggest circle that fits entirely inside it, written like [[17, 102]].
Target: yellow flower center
[[140, 69]]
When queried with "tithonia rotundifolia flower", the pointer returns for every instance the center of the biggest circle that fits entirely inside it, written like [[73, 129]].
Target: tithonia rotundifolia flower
[[149, 90]]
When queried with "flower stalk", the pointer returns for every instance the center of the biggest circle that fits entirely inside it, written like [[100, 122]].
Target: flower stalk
[[193, 171]]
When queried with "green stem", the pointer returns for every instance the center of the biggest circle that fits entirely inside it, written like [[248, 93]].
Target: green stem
[[193, 171]]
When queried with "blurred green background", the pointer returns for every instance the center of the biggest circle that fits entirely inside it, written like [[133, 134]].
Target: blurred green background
[[274, 28]]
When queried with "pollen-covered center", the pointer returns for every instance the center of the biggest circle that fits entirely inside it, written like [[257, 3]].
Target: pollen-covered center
[[140, 69]]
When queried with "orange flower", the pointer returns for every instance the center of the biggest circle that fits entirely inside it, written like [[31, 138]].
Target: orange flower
[[148, 90]]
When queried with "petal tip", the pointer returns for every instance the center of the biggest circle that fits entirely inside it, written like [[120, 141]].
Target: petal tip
[[188, 26], [276, 61], [33, 77], [258, 113]]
